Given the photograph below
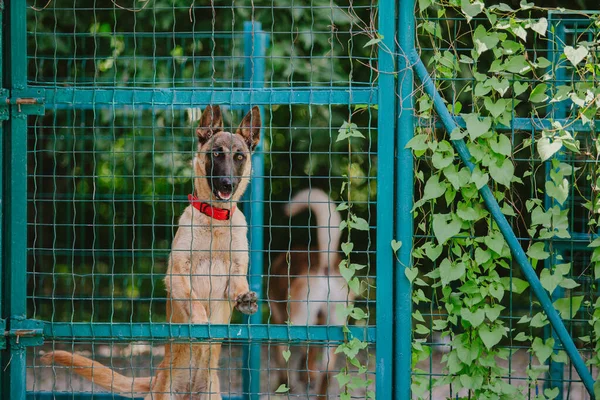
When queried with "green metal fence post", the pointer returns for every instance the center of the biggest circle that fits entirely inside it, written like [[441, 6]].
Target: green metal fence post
[[3, 117], [386, 120], [404, 203], [254, 76], [14, 169]]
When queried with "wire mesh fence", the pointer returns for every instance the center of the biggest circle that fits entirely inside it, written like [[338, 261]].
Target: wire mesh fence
[[111, 162]]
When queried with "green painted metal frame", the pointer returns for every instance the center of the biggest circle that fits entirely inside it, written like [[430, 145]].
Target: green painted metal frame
[[255, 47], [556, 36], [183, 97], [404, 202], [14, 190], [386, 133], [14, 194], [3, 117], [123, 332]]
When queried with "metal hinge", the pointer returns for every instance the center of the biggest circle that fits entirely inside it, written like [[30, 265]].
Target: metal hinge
[[23, 333], [21, 102]]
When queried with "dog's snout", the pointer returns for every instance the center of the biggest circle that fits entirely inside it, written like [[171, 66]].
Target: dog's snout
[[226, 183]]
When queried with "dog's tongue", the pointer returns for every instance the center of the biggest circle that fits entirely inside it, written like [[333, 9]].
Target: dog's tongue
[[224, 196]]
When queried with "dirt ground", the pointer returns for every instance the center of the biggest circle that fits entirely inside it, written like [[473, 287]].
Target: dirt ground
[[135, 360]]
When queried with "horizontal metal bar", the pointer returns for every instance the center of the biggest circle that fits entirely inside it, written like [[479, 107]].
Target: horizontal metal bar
[[198, 97], [522, 124], [89, 396], [124, 332]]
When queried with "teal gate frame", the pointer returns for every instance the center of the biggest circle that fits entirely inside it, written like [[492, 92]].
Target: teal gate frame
[[18, 100]]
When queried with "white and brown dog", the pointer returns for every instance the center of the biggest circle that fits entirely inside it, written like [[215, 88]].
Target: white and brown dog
[[306, 286], [206, 276]]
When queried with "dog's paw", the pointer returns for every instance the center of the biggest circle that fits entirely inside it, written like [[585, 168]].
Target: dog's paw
[[246, 303]]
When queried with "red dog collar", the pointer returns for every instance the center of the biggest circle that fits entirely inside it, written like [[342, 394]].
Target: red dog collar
[[222, 214]]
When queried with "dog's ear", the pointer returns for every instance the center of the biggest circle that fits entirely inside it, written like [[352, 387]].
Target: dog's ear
[[210, 123], [249, 128]]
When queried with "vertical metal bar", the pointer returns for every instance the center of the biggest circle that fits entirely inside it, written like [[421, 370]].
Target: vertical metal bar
[[404, 203], [2, 266], [254, 75], [15, 200], [386, 132], [509, 235], [556, 41]]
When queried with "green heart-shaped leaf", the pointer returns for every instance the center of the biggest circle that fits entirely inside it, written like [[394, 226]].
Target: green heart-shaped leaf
[[501, 145], [542, 350], [282, 388], [551, 394], [541, 26], [503, 172], [479, 178], [493, 313], [347, 247], [520, 87], [445, 230], [568, 306], [491, 336], [474, 318], [559, 192], [576, 55], [538, 94], [495, 241], [484, 40], [432, 251], [477, 126], [537, 252], [346, 272], [451, 271], [471, 9], [434, 188], [496, 290], [547, 148], [411, 273], [517, 65]]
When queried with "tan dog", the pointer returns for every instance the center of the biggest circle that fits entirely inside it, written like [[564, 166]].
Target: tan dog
[[315, 288], [207, 269]]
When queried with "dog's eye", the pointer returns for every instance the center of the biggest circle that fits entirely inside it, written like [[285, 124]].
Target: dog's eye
[[216, 154], [240, 157]]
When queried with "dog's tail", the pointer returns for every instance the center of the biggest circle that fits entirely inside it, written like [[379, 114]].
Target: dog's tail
[[328, 223], [99, 374]]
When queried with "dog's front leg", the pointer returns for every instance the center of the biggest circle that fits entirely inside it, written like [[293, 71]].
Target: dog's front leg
[[187, 306], [238, 291]]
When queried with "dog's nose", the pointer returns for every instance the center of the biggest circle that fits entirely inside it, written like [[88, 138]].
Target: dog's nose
[[226, 183]]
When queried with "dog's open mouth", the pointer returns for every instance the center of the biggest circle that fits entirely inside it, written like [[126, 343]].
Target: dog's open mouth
[[223, 195]]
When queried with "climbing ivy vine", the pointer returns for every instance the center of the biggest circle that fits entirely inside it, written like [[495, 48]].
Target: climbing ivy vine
[[528, 117], [355, 351]]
